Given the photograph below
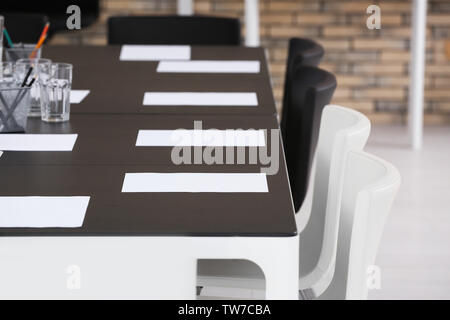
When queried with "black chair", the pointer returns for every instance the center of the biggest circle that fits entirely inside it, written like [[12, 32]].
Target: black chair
[[55, 11], [24, 27], [311, 89], [192, 30], [301, 52]]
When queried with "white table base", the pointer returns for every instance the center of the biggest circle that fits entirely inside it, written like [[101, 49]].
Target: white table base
[[135, 267]]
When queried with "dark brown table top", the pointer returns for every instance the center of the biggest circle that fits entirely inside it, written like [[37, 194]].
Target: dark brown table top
[[105, 139], [111, 212], [107, 124], [119, 86]]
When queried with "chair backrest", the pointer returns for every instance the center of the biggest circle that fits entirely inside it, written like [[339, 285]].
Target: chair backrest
[[341, 130], [24, 27], [172, 30], [369, 189], [311, 90], [301, 52]]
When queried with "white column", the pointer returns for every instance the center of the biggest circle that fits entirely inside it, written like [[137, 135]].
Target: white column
[[417, 73], [185, 7], [252, 23]]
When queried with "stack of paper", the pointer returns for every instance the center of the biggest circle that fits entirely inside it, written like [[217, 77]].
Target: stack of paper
[[211, 137], [195, 182], [37, 142], [200, 99], [209, 66], [43, 212], [76, 96], [154, 53]]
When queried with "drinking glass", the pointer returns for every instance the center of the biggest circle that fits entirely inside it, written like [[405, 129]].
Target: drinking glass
[[41, 70], [6, 73], [21, 51], [55, 93], [14, 104]]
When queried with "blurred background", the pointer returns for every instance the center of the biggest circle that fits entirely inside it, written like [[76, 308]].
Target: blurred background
[[371, 65]]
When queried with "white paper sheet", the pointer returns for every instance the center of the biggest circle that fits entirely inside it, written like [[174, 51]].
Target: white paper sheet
[[37, 142], [200, 99], [209, 137], [210, 66], [76, 96], [42, 212], [154, 53], [195, 182]]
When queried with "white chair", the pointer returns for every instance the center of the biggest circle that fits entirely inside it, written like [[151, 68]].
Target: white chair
[[369, 189], [341, 131]]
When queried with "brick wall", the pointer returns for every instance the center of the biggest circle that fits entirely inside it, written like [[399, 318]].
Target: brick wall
[[371, 65]]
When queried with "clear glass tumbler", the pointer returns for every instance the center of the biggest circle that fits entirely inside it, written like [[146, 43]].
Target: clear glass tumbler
[[7, 72], [55, 93], [21, 51], [41, 70]]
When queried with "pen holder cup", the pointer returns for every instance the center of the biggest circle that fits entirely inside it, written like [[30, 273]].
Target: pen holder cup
[[14, 107], [21, 52]]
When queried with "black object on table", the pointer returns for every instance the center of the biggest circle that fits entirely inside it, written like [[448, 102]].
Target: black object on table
[[192, 30]]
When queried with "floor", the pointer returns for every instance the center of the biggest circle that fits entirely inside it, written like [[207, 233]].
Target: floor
[[414, 255]]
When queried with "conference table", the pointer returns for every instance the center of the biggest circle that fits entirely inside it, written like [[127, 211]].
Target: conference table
[[107, 205]]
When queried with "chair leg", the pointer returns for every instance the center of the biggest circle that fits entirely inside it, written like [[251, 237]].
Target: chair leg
[[306, 294], [199, 290]]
